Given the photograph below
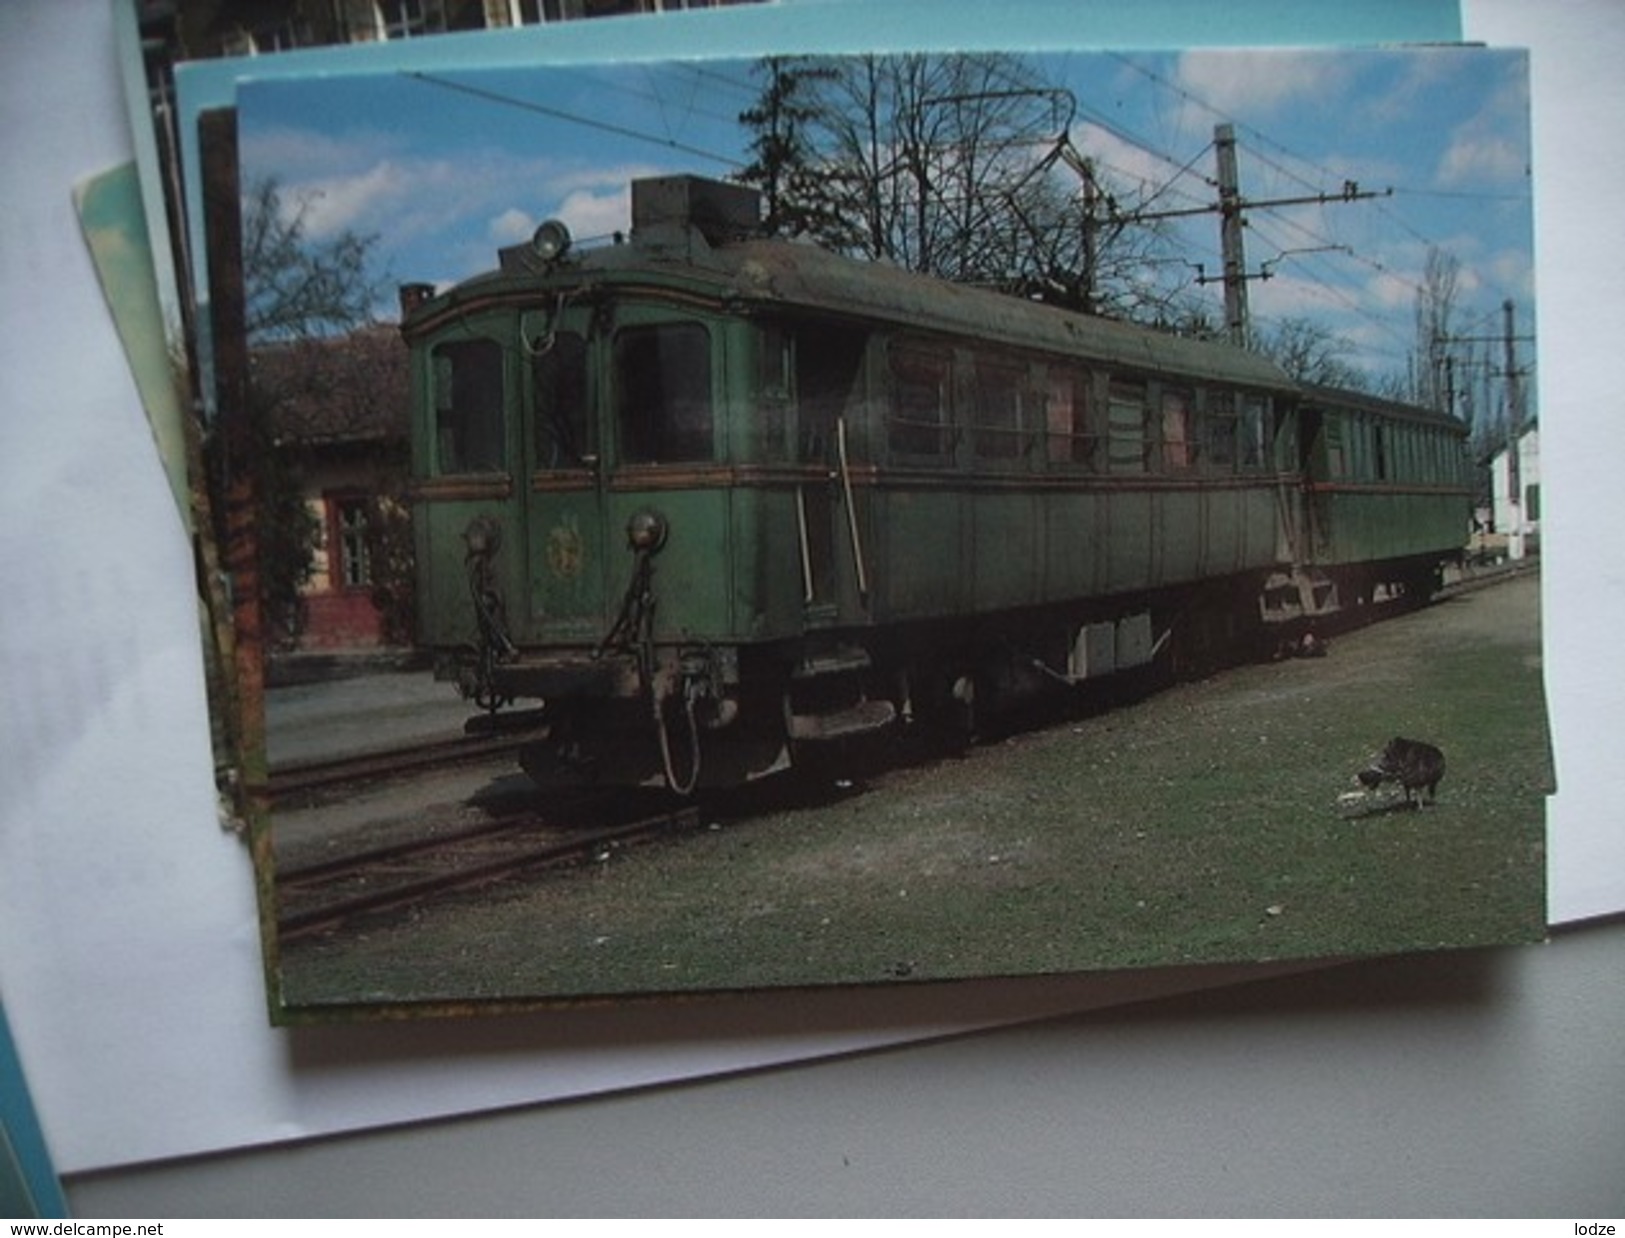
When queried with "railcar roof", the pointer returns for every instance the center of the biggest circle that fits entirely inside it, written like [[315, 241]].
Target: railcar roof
[[763, 273], [1343, 399], [801, 276]]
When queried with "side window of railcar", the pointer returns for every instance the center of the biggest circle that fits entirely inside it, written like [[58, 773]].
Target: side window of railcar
[[469, 426], [663, 393], [1125, 427], [1356, 437], [920, 418], [1254, 426], [775, 362], [829, 383], [559, 374], [1066, 416], [1219, 423], [996, 391], [1177, 450], [1332, 432]]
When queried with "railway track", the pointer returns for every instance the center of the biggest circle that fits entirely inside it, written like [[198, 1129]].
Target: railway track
[[319, 897], [313, 779]]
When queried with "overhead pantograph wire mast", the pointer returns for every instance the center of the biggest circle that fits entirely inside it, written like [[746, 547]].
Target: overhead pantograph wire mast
[[1231, 208]]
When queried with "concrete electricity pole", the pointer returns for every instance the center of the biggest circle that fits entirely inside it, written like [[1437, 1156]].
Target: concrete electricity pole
[[1231, 208], [1514, 472], [1230, 244]]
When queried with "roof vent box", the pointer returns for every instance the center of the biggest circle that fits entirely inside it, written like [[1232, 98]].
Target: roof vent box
[[718, 210]]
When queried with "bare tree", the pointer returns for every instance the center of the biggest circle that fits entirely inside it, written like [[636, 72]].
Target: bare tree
[[955, 166], [783, 165], [1435, 309], [1311, 354], [296, 288]]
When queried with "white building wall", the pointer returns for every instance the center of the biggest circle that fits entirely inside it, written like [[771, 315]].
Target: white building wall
[[1518, 517]]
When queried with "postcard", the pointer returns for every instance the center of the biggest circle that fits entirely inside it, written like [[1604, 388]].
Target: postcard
[[791, 522]]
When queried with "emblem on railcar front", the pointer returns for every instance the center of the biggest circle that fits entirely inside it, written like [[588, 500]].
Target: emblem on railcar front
[[564, 551]]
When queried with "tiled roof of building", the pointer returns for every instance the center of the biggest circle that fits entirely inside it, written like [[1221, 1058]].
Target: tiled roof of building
[[341, 389]]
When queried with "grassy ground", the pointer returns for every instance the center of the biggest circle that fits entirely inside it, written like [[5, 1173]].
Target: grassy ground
[[1205, 824]]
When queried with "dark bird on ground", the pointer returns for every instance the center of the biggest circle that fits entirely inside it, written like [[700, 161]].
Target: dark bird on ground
[[1414, 765]]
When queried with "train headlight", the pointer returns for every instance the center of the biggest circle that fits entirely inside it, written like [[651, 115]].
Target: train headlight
[[551, 242], [646, 531]]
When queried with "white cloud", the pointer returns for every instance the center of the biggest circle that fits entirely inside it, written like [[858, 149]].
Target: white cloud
[[595, 213], [1390, 291], [592, 202], [1511, 270], [1289, 296], [1130, 168], [298, 154], [348, 202], [511, 227], [1477, 155], [1259, 83], [1492, 146]]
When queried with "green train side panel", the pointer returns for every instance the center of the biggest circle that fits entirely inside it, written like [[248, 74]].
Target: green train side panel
[[1128, 542], [1268, 519], [1006, 536], [1072, 544], [1367, 527], [921, 572], [1223, 532], [766, 590], [945, 554], [1182, 532]]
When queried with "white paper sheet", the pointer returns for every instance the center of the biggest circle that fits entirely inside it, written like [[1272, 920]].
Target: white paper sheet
[[129, 956]]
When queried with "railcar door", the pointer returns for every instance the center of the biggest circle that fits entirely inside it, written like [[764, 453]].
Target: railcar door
[[665, 435], [1319, 456], [564, 496], [828, 378]]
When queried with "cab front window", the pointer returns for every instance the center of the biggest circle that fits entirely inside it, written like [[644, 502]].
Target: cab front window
[[663, 393], [559, 373], [468, 399]]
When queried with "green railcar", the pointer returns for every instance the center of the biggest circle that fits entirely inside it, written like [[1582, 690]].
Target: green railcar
[[708, 498], [1387, 493]]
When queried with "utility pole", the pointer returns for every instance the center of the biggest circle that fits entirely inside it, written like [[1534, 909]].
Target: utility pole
[[1085, 171], [1514, 399], [1091, 239], [1231, 208], [1230, 226]]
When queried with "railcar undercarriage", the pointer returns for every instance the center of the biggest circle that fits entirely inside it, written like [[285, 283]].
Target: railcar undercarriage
[[632, 712]]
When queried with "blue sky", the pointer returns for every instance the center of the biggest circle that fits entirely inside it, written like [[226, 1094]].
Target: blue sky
[[446, 167]]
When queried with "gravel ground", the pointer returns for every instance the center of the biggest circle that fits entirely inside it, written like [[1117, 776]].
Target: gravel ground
[[1212, 822]]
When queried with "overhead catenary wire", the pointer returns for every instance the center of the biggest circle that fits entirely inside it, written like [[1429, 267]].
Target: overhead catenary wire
[[543, 109], [1266, 141]]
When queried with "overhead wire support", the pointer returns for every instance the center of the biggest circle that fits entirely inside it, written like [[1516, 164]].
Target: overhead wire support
[[1231, 208], [1266, 268], [1351, 192]]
